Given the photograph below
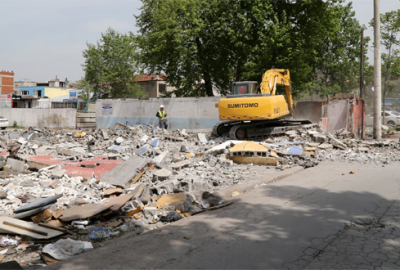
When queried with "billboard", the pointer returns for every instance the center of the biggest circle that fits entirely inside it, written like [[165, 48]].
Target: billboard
[[5, 101]]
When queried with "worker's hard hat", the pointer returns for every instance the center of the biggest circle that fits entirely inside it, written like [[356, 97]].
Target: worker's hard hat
[[161, 106]]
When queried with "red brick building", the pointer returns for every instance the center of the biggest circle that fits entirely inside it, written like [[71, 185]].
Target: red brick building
[[6, 82]]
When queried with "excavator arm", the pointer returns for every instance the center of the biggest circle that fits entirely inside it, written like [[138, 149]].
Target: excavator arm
[[274, 77]]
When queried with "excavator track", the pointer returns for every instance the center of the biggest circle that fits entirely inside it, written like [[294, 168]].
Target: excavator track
[[239, 130]]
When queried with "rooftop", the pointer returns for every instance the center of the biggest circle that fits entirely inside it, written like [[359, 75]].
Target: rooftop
[[151, 77]]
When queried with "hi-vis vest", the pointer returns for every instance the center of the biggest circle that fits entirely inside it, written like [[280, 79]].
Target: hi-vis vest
[[162, 114]]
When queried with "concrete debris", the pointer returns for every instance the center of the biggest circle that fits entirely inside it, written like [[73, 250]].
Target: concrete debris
[[202, 137], [101, 183], [171, 217]]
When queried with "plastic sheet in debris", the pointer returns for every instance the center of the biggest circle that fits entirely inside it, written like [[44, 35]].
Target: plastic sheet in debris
[[295, 150], [64, 248], [5, 242], [154, 143], [99, 232], [141, 150]]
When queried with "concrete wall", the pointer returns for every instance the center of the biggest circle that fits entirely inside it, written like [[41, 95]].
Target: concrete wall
[[50, 118], [152, 88], [338, 113], [311, 110], [187, 113], [357, 117], [345, 111]]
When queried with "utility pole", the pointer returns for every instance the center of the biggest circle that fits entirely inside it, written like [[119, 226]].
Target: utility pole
[[377, 72], [362, 79], [362, 65]]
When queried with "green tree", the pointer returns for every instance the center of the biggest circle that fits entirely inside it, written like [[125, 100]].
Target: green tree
[[110, 67], [173, 39], [390, 28], [338, 60], [220, 41]]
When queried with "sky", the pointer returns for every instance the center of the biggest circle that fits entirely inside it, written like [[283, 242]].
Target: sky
[[42, 39]]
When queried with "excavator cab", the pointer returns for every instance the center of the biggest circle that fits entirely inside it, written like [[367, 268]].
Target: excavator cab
[[243, 88]]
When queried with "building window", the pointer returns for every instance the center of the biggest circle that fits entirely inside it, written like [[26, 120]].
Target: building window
[[162, 88], [25, 93]]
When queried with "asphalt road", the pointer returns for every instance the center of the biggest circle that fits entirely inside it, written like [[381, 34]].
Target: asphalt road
[[292, 223]]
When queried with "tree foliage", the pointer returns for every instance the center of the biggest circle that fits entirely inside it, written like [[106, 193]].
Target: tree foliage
[[338, 56], [110, 67], [390, 28], [220, 41]]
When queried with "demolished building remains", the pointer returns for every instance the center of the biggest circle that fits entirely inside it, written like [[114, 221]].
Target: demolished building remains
[[79, 188]]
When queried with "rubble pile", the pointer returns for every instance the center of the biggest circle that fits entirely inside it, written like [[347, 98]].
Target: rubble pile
[[94, 185], [318, 145]]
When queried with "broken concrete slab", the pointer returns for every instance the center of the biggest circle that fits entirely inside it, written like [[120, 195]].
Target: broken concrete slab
[[363, 149], [16, 226], [144, 138], [158, 160], [202, 137], [16, 165], [137, 190], [83, 212], [337, 143], [168, 199], [162, 174], [116, 148], [115, 203], [108, 192], [57, 172], [122, 174], [325, 146], [105, 134], [180, 165], [320, 138]]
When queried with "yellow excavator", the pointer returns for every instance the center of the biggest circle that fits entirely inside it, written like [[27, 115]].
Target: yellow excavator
[[253, 111]]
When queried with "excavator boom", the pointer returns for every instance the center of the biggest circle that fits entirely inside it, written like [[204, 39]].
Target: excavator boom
[[274, 77]]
